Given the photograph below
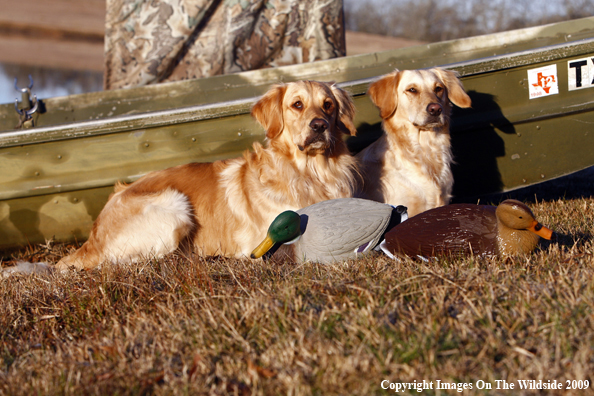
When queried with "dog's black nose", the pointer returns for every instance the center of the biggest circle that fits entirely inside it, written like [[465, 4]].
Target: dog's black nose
[[318, 125], [434, 109]]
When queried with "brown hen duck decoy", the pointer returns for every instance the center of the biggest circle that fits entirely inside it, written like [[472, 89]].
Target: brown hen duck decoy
[[463, 229]]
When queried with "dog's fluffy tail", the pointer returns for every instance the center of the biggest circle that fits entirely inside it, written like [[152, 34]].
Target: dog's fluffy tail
[[24, 267]]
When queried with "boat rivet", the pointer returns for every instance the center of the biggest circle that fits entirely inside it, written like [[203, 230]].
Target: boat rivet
[[56, 201], [193, 139], [59, 157], [542, 176], [538, 127], [146, 145], [36, 173], [75, 199], [238, 133], [524, 180]]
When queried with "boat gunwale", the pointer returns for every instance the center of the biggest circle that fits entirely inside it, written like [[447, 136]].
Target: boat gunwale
[[158, 118]]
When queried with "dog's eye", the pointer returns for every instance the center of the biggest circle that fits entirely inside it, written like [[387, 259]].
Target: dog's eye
[[412, 90], [327, 105], [438, 89], [298, 105]]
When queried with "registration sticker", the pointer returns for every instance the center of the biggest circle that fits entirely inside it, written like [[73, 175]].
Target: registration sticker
[[543, 81]]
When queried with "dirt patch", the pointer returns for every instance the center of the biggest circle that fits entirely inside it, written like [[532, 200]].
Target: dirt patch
[[364, 43], [87, 17]]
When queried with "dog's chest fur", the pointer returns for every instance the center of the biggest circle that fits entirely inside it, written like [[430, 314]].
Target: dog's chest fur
[[425, 154], [413, 169], [320, 179]]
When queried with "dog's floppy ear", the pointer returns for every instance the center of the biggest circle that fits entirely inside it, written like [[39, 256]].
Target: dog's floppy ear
[[268, 110], [456, 92], [346, 111], [383, 93]]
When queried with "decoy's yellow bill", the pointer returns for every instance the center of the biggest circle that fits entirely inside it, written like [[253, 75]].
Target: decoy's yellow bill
[[541, 230], [262, 248]]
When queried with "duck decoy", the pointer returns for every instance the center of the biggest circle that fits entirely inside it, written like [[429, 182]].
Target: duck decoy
[[462, 229], [330, 231]]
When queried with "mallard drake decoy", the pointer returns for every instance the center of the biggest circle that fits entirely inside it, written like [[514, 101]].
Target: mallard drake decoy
[[330, 231], [462, 229]]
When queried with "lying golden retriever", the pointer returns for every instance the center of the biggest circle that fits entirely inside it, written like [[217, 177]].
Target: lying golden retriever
[[410, 163], [225, 207]]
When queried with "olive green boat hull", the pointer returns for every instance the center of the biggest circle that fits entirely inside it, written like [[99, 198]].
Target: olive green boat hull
[[57, 176]]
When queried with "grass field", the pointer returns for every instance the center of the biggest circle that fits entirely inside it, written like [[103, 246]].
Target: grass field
[[217, 326]]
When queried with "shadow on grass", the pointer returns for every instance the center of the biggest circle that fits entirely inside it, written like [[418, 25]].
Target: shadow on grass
[[567, 241], [578, 185]]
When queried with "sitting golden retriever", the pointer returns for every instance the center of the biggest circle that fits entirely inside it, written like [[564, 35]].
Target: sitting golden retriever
[[225, 207], [410, 163]]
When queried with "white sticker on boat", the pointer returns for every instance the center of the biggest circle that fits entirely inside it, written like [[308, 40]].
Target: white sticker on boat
[[580, 73], [543, 81]]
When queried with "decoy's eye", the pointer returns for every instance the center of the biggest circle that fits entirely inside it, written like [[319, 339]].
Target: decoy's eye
[[298, 105]]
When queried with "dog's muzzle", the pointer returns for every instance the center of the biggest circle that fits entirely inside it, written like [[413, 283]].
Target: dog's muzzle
[[434, 109], [319, 125]]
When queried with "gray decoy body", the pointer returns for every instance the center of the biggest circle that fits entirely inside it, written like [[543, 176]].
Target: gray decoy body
[[337, 230]]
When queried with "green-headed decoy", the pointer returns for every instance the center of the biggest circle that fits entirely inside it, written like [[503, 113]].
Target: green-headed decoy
[[330, 231], [463, 229]]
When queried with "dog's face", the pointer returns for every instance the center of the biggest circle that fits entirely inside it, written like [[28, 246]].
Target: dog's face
[[420, 96], [307, 115]]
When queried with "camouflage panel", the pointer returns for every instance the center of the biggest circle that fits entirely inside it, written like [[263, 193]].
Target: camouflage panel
[[151, 41]]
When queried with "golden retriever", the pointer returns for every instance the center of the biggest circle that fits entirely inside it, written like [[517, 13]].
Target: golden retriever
[[410, 163], [225, 207]]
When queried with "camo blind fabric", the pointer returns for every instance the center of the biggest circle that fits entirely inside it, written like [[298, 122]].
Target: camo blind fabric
[[152, 41]]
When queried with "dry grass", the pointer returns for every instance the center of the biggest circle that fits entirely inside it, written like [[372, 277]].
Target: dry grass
[[220, 326]]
